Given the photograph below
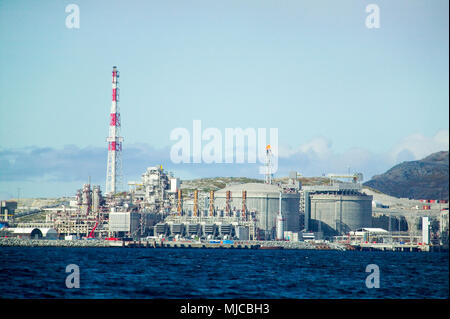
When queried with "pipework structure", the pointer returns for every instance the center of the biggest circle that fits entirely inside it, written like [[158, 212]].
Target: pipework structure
[[244, 205], [179, 203], [87, 215], [209, 222], [195, 211], [157, 191], [114, 167], [211, 203], [227, 203]]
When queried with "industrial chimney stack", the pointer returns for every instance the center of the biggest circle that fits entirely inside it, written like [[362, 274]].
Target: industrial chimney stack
[[114, 168]]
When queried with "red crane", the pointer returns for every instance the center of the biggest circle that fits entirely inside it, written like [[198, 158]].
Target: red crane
[[91, 234]]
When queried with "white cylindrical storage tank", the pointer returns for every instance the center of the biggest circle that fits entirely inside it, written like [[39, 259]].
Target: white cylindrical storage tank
[[96, 198], [280, 227], [280, 221]]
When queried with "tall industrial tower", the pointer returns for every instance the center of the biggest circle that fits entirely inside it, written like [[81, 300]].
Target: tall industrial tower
[[268, 165], [114, 168]]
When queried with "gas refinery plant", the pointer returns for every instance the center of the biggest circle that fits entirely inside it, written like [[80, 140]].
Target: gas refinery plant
[[156, 206]]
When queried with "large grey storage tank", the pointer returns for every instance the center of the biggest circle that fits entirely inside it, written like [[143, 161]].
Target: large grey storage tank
[[264, 200], [340, 213]]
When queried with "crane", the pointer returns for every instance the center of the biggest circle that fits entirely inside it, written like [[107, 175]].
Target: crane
[[91, 234]]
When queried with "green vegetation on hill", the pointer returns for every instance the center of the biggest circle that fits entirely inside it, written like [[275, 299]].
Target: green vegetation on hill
[[306, 181], [215, 183], [33, 218]]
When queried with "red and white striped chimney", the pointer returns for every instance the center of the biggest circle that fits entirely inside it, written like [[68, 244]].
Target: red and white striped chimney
[[114, 167]]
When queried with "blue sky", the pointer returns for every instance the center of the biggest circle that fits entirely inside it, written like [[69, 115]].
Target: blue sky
[[340, 94]]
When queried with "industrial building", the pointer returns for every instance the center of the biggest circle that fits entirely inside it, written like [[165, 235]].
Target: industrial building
[[123, 223], [87, 214], [7, 209], [133, 215], [193, 222], [157, 190], [31, 233], [132, 224], [243, 211], [366, 234], [335, 209], [263, 201]]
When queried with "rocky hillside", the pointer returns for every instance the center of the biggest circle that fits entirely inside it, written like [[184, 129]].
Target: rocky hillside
[[424, 179]]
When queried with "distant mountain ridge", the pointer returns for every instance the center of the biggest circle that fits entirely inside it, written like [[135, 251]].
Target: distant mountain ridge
[[427, 178]]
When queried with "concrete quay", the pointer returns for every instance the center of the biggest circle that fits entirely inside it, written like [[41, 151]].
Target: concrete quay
[[398, 247]]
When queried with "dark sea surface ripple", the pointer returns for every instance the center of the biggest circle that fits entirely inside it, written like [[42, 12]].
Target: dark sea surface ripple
[[40, 272]]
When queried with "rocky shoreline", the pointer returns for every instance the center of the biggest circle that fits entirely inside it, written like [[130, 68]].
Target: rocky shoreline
[[20, 242]]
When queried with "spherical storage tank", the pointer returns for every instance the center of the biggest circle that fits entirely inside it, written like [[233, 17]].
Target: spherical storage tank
[[263, 199], [341, 213]]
